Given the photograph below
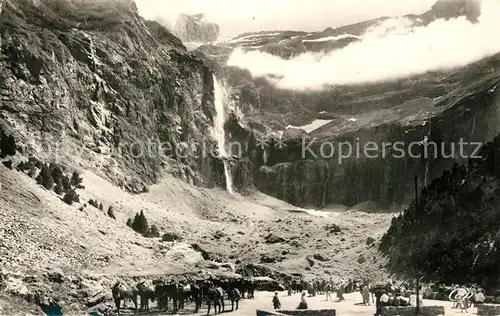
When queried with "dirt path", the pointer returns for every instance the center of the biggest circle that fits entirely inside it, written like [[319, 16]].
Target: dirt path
[[263, 300]]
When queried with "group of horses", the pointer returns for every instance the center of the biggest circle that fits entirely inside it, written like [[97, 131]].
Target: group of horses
[[321, 286], [211, 291]]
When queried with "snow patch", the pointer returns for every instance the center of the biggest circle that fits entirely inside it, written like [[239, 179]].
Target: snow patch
[[331, 38], [312, 126]]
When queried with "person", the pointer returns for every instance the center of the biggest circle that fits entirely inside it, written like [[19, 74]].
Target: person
[[378, 305], [276, 301], [413, 299], [384, 299], [390, 301], [328, 290], [340, 291], [479, 298], [303, 303], [366, 295]]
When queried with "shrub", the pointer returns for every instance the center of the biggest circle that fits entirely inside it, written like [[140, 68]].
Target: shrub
[[71, 197], [76, 180], [31, 171], [153, 232], [93, 203], [59, 189], [66, 183], [56, 172], [170, 237], [45, 178]]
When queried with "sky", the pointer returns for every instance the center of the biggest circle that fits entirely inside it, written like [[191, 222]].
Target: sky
[[238, 16]]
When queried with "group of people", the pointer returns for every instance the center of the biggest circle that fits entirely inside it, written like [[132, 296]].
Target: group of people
[[326, 287], [465, 297]]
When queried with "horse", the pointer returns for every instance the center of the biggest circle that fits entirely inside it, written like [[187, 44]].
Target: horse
[[234, 295], [146, 292], [169, 290], [121, 291], [214, 296]]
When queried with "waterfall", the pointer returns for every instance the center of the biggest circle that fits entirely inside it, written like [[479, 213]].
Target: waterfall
[[219, 134]]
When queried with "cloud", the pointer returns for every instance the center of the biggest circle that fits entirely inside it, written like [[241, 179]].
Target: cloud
[[238, 16], [389, 51]]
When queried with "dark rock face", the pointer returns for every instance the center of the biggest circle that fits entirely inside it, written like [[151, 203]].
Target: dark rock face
[[448, 9], [194, 28], [453, 229], [107, 89]]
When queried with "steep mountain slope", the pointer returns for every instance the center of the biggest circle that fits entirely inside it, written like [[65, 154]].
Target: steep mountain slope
[[102, 88], [453, 230]]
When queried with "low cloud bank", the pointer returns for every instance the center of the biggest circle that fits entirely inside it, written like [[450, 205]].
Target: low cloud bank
[[391, 50]]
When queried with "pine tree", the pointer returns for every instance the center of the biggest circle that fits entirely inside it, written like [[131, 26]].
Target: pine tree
[[101, 207], [59, 189], [71, 197], [111, 212], [66, 183], [31, 171], [45, 178], [76, 180], [56, 172], [129, 223], [140, 223], [7, 146]]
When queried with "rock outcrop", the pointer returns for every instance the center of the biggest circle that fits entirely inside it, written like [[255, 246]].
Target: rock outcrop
[[447, 9], [195, 28], [97, 86]]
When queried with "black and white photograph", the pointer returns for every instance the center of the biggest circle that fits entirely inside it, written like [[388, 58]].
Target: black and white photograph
[[250, 157]]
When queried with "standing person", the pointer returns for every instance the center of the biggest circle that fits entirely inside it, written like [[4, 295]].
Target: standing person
[[341, 291], [479, 297], [378, 306], [366, 295], [276, 301], [303, 303], [328, 290]]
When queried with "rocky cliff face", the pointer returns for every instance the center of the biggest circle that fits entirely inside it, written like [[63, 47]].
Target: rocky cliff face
[[454, 8], [441, 108], [97, 86], [302, 169], [195, 28]]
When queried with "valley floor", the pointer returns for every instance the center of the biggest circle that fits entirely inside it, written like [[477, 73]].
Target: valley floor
[[348, 307], [40, 236]]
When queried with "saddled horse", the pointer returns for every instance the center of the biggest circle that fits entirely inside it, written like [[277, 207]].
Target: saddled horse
[[214, 296], [234, 296], [122, 291], [146, 292]]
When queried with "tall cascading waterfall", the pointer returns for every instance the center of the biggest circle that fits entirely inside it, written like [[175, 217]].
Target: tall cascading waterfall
[[219, 134]]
